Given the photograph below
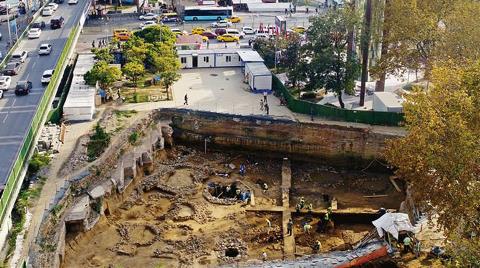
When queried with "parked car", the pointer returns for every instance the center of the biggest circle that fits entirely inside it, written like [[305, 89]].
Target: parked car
[[178, 32], [221, 24], [45, 49], [5, 82], [72, 2], [34, 33], [23, 88], [299, 29], [12, 68], [47, 11], [236, 33], [248, 30], [198, 30], [46, 76], [53, 6], [228, 38], [148, 16], [209, 35], [56, 23], [234, 19], [147, 24], [1, 94], [170, 19], [40, 25], [220, 31], [19, 56], [58, 1]]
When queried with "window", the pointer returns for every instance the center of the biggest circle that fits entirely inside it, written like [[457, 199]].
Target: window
[[183, 60], [228, 58], [206, 59]]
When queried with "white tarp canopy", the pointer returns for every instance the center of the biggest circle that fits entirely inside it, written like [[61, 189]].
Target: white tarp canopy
[[393, 223]]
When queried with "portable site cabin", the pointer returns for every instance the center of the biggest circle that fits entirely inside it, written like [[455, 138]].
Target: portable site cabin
[[387, 102], [258, 76], [208, 58], [196, 58], [80, 102]]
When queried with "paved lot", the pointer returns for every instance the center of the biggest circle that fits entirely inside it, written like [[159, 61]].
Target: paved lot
[[216, 90], [16, 113]]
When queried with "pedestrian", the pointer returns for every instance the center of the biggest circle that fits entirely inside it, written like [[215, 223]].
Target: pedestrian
[[264, 256], [306, 228], [250, 42], [316, 10], [265, 97], [118, 93], [208, 44], [93, 44], [243, 169], [290, 227], [267, 109], [306, 10], [186, 100], [286, 11], [225, 44], [261, 105], [238, 42], [302, 202]]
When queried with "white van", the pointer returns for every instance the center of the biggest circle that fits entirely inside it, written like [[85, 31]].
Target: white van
[[236, 32]]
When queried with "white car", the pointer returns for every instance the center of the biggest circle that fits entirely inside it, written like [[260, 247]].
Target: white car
[[46, 76], [236, 33], [148, 16], [47, 11], [1, 94], [221, 24], [178, 31], [44, 49], [34, 33], [5, 82], [248, 30], [147, 24], [53, 6], [19, 56], [72, 2]]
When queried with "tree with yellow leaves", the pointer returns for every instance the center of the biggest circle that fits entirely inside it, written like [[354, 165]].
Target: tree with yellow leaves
[[440, 156]]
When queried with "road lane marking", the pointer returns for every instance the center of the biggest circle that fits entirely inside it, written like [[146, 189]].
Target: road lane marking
[[5, 119], [33, 64], [11, 137], [13, 103], [10, 143], [17, 112]]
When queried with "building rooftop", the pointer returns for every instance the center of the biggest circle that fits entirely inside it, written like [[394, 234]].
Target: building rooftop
[[258, 68], [389, 99], [189, 39], [249, 56]]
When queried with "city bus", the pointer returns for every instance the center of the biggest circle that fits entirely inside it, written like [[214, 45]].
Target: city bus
[[196, 13]]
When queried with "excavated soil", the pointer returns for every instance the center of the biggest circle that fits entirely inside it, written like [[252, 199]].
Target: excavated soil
[[170, 223]]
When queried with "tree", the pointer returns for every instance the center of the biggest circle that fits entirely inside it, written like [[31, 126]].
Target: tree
[[365, 46], [105, 74], [157, 33], [440, 156], [291, 58], [103, 54], [167, 80], [133, 70], [325, 56]]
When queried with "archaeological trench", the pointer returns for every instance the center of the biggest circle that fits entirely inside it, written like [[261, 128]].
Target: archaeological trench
[[177, 198]]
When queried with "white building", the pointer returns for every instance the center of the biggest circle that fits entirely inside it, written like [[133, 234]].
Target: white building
[[80, 102], [256, 73], [387, 102], [258, 76]]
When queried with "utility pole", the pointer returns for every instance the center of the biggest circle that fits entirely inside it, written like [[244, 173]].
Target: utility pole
[[365, 49]]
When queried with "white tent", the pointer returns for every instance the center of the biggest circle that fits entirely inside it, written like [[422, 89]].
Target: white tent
[[393, 223]]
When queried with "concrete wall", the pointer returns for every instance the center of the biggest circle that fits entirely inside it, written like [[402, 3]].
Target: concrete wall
[[202, 63], [188, 63], [339, 145]]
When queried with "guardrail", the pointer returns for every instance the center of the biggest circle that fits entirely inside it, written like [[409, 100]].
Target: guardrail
[[13, 178], [334, 113]]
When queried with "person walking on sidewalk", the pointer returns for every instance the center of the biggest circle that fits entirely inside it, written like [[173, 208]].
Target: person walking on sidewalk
[[261, 105], [186, 100], [265, 97], [267, 109]]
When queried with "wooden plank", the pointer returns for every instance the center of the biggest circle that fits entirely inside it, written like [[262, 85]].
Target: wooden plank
[[375, 196], [392, 180]]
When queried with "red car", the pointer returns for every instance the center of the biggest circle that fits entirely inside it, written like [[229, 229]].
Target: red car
[[210, 35], [220, 31]]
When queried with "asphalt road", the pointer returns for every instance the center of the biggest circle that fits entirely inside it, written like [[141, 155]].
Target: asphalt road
[[16, 112]]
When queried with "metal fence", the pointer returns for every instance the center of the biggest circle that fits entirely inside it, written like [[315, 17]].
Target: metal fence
[[334, 113]]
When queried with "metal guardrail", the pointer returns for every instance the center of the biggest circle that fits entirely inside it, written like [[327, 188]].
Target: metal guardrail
[[13, 178]]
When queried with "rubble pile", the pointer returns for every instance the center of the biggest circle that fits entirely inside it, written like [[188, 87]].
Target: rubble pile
[[200, 213], [185, 250], [50, 138]]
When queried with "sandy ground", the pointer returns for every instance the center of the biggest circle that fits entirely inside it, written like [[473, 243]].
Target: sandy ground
[[156, 229]]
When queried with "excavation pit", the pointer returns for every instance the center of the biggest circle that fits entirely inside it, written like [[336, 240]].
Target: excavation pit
[[231, 252]]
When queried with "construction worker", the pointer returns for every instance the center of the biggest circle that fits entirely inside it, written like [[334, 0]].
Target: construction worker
[[264, 256], [317, 247], [306, 228], [297, 208], [269, 223], [310, 208], [265, 187], [302, 202], [290, 227], [407, 245]]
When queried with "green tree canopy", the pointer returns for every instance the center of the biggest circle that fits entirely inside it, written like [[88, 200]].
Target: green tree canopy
[[133, 70], [103, 54], [157, 33], [103, 73]]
